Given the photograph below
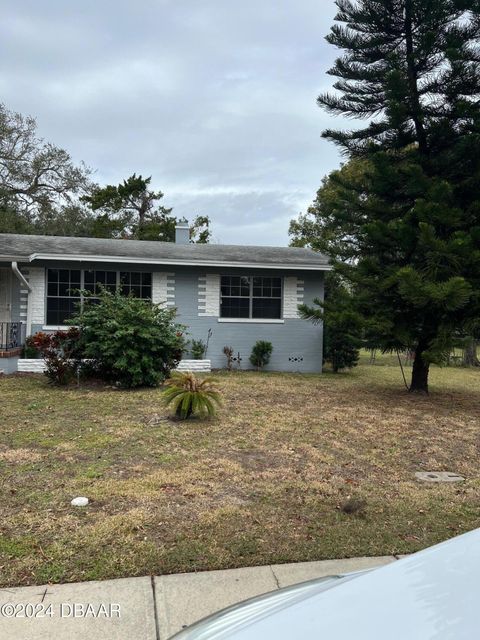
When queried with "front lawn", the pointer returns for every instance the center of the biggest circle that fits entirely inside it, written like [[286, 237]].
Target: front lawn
[[294, 468]]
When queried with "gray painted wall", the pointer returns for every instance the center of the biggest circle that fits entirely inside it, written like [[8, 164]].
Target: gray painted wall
[[295, 338], [8, 365]]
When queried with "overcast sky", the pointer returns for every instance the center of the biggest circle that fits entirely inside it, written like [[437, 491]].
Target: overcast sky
[[213, 98]]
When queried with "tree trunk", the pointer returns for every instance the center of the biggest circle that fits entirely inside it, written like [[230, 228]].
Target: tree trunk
[[412, 75], [470, 358], [420, 371]]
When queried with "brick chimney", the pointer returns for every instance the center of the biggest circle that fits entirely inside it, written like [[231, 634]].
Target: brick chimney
[[182, 232]]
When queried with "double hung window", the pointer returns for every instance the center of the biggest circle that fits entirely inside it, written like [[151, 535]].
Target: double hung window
[[251, 297]]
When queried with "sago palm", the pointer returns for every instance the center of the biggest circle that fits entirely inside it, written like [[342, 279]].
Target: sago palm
[[189, 395]]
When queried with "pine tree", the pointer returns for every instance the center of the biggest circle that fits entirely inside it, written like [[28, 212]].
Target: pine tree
[[342, 324], [408, 238]]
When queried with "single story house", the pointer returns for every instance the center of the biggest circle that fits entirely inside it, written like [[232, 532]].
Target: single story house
[[236, 295]]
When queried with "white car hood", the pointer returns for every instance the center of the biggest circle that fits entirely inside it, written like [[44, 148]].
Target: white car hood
[[432, 595]]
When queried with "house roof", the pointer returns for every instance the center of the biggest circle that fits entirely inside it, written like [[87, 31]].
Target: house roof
[[28, 248]]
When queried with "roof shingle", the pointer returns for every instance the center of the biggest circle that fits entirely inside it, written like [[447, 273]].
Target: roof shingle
[[31, 247]]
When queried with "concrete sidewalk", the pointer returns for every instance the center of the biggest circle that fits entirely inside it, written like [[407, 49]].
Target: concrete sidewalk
[[148, 608]]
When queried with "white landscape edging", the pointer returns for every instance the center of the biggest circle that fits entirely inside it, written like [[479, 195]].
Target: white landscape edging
[[31, 365], [195, 365], [37, 365]]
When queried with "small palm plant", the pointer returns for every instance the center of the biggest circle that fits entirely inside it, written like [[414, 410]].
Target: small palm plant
[[189, 395]]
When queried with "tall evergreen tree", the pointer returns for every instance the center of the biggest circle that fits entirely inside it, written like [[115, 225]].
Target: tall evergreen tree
[[409, 239]]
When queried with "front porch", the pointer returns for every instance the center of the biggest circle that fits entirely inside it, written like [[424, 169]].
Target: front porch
[[12, 339], [13, 326]]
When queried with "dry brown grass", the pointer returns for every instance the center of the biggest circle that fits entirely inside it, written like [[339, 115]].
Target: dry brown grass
[[269, 480]]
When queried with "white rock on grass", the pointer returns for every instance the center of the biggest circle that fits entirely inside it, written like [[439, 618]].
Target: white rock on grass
[[79, 502]]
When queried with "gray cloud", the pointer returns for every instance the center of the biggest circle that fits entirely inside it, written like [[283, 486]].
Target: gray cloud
[[215, 100]]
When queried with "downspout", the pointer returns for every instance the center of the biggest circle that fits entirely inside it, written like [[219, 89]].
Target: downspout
[[20, 276], [26, 284]]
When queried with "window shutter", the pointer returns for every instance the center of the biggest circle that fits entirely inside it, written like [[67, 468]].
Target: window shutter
[[293, 295]]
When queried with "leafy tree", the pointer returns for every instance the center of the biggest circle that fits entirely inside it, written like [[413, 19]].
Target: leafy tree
[[35, 175], [132, 209], [408, 239], [43, 192], [69, 220], [342, 324], [12, 221]]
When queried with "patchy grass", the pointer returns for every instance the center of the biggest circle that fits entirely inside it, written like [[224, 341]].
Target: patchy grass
[[295, 467]]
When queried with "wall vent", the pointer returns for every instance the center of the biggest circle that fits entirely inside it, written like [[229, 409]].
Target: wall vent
[[295, 357]]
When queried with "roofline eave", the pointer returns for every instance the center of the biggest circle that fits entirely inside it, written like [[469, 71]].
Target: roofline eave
[[180, 263]]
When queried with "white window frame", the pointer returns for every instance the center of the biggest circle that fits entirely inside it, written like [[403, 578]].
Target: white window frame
[[118, 286], [250, 318]]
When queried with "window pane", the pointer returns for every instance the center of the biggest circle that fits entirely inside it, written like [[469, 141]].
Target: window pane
[[64, 289], [234, 307], [68, 282], [60, 309], [266, 308], [267, 287], [147, 292], [135, 291], [277, 283], [136, 284], [75, 278], [225, 285], [111, 278], [52, 289], [245, 286], [53, 275]]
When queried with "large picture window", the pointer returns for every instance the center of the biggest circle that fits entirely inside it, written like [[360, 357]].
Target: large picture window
[[251, 297], [64, 286]]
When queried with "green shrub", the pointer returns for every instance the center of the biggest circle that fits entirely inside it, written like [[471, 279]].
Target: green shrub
[[189, 396], [131, 342], [261, 352], [198, 349]]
